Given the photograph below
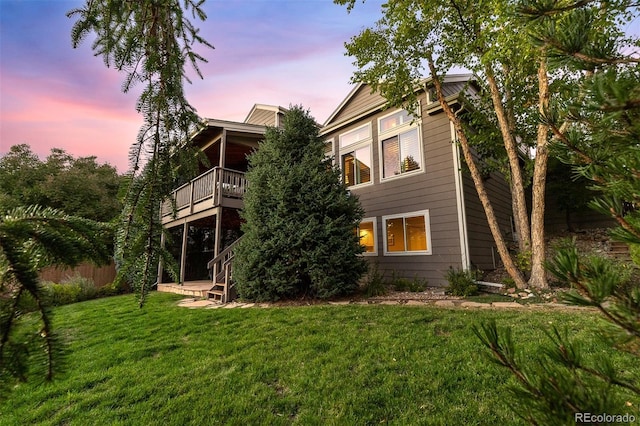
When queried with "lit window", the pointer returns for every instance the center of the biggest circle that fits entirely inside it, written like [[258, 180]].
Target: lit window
[[407, 233], [367, 233]]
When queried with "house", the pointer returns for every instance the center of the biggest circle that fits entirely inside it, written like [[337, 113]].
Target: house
[[423, 215], [206, 220]]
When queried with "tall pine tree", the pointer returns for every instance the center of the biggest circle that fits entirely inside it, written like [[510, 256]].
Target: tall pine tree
[[299, 236]]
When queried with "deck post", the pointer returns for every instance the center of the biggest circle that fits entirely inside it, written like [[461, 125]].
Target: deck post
[[160, 266], [183, 252], [216, 250]]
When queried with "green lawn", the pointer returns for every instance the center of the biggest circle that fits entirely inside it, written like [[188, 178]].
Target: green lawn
[[303, 365]]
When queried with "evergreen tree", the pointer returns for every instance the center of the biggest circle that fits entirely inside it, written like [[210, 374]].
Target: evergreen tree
[[30, 239], [600, 138], [299, 236], [152, 42]]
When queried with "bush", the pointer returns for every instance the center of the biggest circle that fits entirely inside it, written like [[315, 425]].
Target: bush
[[415, 285], [374, 284], [73, 289], [461, 283], [111, 289]]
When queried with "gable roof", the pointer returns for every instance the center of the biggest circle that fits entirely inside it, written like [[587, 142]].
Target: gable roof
[[455, 83], [258, 108]]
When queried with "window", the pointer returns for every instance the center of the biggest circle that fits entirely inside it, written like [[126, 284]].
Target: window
[[401, 148], [356, 135], [356, 166], [407, 233], [356, 158], [367, 233]]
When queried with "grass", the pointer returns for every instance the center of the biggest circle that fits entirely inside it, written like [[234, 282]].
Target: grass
[[315, 365]]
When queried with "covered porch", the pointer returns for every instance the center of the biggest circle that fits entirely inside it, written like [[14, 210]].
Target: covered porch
[[194, 241]]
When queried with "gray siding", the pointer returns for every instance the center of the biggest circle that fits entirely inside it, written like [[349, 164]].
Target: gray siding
[[432, 189], [482, 250], [262, 117], [361, 101]]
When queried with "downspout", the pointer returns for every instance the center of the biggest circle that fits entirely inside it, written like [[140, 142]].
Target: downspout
[[462, 216]]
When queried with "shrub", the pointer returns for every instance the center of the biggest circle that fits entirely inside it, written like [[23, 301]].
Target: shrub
[[461, 283], [111, 289], [73, 289], [414, 285], [63, 294], [374, 284]]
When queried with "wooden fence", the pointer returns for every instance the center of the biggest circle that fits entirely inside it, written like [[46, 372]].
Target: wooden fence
[[100, 275]]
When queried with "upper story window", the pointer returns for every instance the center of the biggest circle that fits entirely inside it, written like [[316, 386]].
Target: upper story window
[[356, 156], [400, 144], [356, 135]]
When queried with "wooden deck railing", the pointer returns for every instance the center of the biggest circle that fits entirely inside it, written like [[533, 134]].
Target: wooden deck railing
[[222, 266], [214, 185]]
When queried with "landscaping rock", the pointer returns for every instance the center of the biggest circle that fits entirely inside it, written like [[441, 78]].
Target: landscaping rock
[[474, 305], [447, 303], [506, 305]]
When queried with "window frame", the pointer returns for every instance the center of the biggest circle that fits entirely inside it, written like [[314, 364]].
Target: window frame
[[373, 220], [352, 148], [414, 123], [427, 228]]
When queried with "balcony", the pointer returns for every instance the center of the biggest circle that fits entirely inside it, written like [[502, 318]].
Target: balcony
[[214, 188]]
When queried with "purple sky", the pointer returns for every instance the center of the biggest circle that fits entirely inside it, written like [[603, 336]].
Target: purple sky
[[277, 52]]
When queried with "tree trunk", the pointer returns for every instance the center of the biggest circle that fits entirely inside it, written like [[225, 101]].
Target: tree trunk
[[517, 185], [538, 274], [503, 251]]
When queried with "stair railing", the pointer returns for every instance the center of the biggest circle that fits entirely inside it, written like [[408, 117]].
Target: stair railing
[[222, 266]]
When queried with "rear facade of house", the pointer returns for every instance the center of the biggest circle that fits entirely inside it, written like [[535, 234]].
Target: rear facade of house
[[422, 212]]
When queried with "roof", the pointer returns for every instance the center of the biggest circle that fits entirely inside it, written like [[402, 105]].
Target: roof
[[264, 107], [448, 79]]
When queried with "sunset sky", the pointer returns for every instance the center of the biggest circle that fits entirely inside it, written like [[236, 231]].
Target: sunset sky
[[277, 52]]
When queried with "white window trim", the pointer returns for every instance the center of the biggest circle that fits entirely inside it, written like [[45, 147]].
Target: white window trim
[[354, 147], [368, 125], [427, 227], [396, 131], [375, 235]]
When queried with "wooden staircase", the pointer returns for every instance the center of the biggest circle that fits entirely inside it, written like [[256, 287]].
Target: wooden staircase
[[223, 289], [620, 251]]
